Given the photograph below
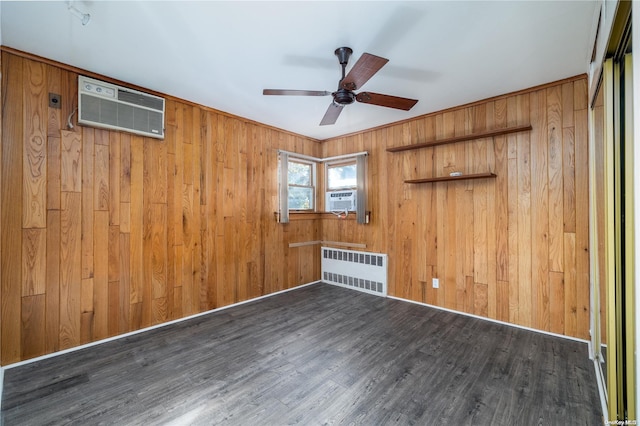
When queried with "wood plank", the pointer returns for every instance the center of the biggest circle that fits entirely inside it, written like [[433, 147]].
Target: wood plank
[[525, 308], [407, 263], [492, 232], [86, 311], [34, 261], [101, 177], [569, 179], [556, 302], [52, 290], [114, 178], [230, 269], [539, 211], [567, 105], [513, 270], [137, 217], [480, 301], [100, 294], [440, 207], [196, 246], [88, 157], [465, 121], [455, 139], [480, 243], [34, 204], [102, 137], [33, 325], [70, 270], [124, 314], [451, 254], [228, 206], [71, 162], [159, 253], [54, 115], [555, 173], [114, 253], [469, 305], [580, 96], [147, 264], [159, 310], [11, 225], [570, 285], [582, 221], [155, 171], [187, 152], [114, 308], [125, 168], [53, 171], [189, 299], [503, 297], [172, 229]]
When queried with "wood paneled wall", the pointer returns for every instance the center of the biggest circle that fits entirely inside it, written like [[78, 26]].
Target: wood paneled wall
[[105, 232], [514, 248]]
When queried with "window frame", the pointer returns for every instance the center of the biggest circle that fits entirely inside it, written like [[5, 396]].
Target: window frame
[[312, 183]]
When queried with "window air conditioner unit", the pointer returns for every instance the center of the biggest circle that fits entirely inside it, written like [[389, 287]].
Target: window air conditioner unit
[[108, 106], [341, 200]]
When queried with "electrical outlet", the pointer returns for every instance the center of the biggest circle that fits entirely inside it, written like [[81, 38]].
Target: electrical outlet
[[435, 282]]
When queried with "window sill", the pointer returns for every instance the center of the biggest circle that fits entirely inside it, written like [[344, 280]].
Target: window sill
[[308, 215]]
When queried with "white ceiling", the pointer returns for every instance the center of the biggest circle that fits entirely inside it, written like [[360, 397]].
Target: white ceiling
[[222, 54]]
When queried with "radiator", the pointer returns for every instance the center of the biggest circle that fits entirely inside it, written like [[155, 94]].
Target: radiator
[[358, 270]]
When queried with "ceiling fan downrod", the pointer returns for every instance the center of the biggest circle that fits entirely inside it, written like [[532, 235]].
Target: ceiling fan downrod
[[343, 96]]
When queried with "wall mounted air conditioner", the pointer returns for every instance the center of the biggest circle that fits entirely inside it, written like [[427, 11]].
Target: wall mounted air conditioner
[[341, 200], [108, 106]]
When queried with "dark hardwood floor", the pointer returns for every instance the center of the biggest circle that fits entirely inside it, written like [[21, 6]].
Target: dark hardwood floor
[[316, 355]]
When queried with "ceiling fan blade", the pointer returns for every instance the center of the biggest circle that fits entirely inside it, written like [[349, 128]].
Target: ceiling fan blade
[[363, 70], [332, 114], [386, 100], [295, 92]]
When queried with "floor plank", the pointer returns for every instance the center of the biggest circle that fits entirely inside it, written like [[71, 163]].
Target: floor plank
[[319, 355]]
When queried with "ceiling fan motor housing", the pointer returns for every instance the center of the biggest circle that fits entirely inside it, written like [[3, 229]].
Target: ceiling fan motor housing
[[344, 97]]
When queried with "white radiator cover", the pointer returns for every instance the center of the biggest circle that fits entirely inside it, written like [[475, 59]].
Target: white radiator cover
[[359, 270]]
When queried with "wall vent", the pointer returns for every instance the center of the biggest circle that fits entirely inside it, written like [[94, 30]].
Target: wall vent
[[359, 270], [108, 106]]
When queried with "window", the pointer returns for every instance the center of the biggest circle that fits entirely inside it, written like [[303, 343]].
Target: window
[[342, 176], [297, 182], [301, 181]]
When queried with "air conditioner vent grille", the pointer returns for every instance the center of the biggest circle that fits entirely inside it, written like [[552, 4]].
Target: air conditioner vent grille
[[120, 115], [140, 99], [107, 106]]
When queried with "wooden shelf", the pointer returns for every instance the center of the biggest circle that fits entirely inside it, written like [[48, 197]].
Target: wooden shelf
[[449, 178], [482, 135]]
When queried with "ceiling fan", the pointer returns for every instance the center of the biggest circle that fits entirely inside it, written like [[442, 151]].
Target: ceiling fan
[[361, 72]]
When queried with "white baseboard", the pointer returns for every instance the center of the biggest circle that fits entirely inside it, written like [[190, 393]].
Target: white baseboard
[[492, 320], [602, 390], [132, 333], [143, 330], [1, 385]]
